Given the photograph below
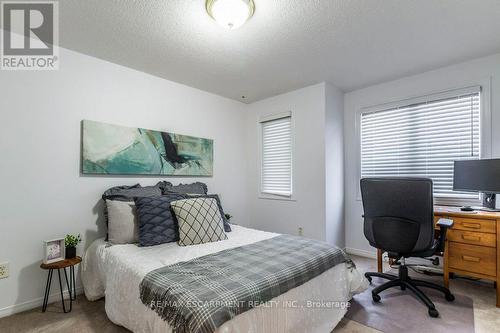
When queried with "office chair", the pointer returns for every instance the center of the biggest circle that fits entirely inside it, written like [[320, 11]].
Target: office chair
[[399, 220]]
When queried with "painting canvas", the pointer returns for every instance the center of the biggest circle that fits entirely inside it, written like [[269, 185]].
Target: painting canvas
[[118, 150]]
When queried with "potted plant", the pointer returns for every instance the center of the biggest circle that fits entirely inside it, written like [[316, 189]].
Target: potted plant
[[228, 216], [71, 241]]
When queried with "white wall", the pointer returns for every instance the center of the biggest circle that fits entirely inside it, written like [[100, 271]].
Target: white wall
[[311, 107], [43, 194], [334, 155], [306, 210], [475, 72]]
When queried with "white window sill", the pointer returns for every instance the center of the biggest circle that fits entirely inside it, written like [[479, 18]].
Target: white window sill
[[267, 196]]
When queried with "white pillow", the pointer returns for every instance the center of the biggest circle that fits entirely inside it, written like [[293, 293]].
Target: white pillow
[[123, 226]]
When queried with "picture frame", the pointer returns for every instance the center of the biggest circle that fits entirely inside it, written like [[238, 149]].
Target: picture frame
[[53, 250]]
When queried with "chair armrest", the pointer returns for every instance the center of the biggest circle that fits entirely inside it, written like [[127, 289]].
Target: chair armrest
[[444, 225]]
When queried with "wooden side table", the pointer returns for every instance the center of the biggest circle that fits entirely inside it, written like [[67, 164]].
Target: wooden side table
[[63, 264]]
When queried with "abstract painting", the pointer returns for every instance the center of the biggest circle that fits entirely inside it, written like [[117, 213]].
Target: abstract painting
[[118, 150]]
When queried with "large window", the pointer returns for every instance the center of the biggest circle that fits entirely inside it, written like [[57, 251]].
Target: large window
[[276, 175], [422, 138]]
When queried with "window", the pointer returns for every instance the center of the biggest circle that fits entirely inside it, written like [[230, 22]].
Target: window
[[276, 175], [422, 139]]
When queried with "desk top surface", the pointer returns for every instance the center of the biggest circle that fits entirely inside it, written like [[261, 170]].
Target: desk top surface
[[455, 211]]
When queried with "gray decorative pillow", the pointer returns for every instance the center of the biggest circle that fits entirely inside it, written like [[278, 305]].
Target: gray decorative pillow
[[156, 223], [199, 221], [164, 185], [194, 188], [122, 222], [128, 193]]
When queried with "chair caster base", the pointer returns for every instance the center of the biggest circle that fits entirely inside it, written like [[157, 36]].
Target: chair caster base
[[404, 282], [433, 313]]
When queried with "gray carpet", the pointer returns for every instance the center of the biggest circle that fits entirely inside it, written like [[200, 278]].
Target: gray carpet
[[400, 311]]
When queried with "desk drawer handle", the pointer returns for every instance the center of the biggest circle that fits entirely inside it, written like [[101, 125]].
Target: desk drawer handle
[[471, 225], [469, 258], [471, 238]]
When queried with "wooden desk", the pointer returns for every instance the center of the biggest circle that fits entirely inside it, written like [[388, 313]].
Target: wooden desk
[[472, 247]]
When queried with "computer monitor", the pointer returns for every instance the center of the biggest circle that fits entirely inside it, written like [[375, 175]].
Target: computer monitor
[[478, 176]]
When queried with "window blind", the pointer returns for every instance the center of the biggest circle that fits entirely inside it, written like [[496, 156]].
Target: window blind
[[277, 156], [422, 140]]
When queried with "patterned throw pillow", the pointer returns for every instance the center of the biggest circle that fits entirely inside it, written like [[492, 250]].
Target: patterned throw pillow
[[199, 221], [156, 223], [227, 226]]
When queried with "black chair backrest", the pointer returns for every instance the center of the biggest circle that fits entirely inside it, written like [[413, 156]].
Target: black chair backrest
[[398, 213]]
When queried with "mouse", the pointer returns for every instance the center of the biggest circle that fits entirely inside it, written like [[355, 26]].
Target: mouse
[[467, 209]]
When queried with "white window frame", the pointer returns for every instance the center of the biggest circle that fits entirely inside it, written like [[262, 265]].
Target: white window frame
[[262, 119], [484, 127]]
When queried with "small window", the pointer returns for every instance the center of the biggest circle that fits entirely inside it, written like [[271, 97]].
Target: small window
[[276, 174], [422, 138]]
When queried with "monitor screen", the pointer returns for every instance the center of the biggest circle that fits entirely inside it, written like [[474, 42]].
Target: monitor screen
[[477, 176]]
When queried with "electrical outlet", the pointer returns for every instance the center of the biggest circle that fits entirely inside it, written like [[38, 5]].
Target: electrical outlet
[[4, 270], [300, 231]]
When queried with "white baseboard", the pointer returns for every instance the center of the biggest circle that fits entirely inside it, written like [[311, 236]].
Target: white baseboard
[[35, 303], [362, 253]]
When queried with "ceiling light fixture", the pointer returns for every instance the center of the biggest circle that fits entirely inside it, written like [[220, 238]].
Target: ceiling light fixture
[[230, 14]]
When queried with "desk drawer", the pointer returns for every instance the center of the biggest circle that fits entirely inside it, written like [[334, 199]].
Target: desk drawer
[[476, 225], [470, 237], [472, 258]]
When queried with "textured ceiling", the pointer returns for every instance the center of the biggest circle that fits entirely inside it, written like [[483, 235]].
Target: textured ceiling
[[288, 44]]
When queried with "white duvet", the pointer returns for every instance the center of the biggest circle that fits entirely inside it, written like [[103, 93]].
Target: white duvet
[[116, 272]]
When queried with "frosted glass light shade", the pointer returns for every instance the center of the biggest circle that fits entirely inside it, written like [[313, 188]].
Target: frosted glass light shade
[[230, 14]]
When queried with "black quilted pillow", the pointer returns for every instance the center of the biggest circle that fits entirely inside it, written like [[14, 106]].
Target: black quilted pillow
[[156, 223]]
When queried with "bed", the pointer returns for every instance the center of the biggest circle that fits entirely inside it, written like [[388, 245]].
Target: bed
[[115, 272]]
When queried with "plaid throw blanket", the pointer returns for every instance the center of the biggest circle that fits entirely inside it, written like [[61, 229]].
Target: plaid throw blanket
[[199, 295]]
